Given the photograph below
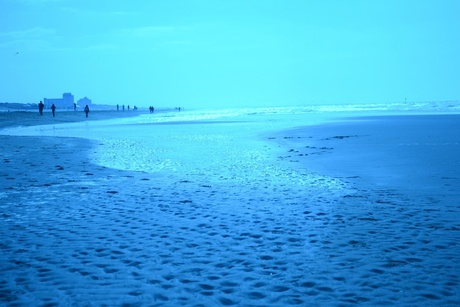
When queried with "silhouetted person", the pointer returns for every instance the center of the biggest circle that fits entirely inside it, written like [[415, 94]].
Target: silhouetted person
[[118, 107], [53, 109], [75, 107], [123, 107], [86, 111], [40, 108], [128, 107]]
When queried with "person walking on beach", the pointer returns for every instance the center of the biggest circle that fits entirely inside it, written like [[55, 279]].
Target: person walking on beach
[[86, 110], [118, 107], [53, 109], [40, 107]]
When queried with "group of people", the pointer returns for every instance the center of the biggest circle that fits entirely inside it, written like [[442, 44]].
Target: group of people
[[123, 107], [41, 106]]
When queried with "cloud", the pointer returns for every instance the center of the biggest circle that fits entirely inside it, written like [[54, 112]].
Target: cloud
[[99, 47], [37, 1], [33, 33], [95, 13], [35, 38], [153, 37], [150, 31]]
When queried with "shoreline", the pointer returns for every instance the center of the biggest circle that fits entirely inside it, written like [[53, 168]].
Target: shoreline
[[28, 118]]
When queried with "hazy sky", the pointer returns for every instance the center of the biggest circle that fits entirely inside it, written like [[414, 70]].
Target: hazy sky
[[201, 53]]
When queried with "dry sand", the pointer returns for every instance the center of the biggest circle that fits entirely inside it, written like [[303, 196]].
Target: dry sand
[[77, 234]]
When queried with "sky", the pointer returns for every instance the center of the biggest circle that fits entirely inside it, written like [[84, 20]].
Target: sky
[[229, 53]]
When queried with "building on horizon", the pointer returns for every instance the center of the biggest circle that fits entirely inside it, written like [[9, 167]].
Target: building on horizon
[[84, 101], [66, 102]]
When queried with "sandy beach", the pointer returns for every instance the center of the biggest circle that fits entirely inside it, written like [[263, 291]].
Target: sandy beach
[[32, 118], [234, 217]]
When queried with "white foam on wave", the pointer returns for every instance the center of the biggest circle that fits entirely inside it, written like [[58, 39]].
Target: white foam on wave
[[232, 152], [221, 145]]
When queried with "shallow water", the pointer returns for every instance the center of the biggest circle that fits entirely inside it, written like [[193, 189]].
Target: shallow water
[[412, 152], [224, 144]]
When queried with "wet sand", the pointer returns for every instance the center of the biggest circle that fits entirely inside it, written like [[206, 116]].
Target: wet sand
[[412, 153], [75, 233], [29, 118]]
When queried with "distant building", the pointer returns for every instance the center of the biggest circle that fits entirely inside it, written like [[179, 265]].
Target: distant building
[[84, 101], [66, 102]]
